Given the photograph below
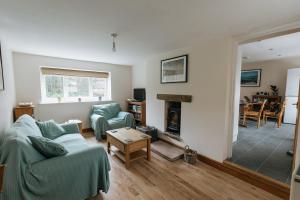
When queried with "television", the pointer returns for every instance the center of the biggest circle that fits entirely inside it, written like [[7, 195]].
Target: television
[[139, 94]]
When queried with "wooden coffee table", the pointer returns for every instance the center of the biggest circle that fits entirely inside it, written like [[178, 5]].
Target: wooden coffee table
[[129, 143]]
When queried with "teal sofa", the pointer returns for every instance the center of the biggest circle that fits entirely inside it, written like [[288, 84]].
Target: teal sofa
[[107, 117], [78, 175]]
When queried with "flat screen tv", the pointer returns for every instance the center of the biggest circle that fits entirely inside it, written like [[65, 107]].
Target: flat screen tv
[[139, 94]]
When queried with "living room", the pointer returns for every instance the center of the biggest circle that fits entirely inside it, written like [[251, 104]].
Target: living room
[[126, 44]]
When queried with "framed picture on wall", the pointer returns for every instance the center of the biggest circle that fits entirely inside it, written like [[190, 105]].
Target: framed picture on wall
[[251, 78], [1, 72], [174, 70]]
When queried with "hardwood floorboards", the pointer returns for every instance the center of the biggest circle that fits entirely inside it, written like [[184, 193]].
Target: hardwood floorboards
[[160, 179]]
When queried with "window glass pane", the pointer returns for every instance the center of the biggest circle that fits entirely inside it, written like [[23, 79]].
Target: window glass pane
[[54, 86], [99, 86], [77, 86]]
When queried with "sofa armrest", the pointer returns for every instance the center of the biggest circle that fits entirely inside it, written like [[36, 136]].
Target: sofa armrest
[[96, 118], [70, 128], [128, 117], [99, 124], [123, 115]]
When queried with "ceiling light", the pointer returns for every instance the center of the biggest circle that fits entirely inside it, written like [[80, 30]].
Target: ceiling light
[[114, 36], [271, 49], [245, 57], [279, 55]]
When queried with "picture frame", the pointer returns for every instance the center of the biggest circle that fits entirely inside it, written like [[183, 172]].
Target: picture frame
[[174, 70], [251, 78], [1, 72]]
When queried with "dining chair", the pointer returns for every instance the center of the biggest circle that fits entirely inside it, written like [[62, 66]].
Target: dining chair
[[250, 114], [275, 115]]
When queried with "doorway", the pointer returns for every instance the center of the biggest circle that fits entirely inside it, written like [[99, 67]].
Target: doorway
[[268, 93]]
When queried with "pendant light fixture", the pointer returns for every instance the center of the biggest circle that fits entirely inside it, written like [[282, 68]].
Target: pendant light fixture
[[114, 36]]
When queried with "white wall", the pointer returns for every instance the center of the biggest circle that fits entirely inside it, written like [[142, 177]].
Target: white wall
[[274, 72], [27, 81], [7, 97], [139, 75], [203, 124]]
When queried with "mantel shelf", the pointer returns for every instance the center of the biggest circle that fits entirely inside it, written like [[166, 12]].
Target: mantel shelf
[[175, 97]]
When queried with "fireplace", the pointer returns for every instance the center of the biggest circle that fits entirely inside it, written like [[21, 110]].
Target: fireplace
[[173, 117], [173, 113]]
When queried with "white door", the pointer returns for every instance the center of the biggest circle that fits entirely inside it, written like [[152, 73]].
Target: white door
[[291, 95], [292, 82], [290, 113]]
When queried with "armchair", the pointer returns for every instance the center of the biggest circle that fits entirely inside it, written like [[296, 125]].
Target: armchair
[[107, 117]]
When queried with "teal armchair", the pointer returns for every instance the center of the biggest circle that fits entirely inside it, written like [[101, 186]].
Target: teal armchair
[[107, 117]]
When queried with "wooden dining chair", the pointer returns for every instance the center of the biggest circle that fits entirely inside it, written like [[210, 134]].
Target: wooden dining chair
[[256, 115], [275, 115], [248, 100]]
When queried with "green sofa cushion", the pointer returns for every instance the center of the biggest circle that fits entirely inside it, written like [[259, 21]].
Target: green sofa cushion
[[47, 147], [50, 129]]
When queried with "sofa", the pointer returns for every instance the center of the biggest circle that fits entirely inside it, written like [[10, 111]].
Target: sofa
[[107, 117], [80, 174]]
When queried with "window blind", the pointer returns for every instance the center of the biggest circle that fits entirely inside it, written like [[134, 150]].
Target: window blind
[[73, 72]]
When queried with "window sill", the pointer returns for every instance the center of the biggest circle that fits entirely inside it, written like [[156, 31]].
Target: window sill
[[73, 102]]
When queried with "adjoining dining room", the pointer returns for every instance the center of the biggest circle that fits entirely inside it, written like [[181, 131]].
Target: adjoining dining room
[[268, 106]]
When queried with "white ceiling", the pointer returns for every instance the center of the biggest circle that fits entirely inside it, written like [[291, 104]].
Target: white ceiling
[[271, 49], [81, 29]]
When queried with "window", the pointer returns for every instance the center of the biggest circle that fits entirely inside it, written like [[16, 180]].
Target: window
[[65, 85]]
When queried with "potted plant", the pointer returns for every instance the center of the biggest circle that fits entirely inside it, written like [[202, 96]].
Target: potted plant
[[59, 98], [274, 89]]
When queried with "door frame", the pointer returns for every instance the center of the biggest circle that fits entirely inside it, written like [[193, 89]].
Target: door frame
[[296, 135], [234, 91]]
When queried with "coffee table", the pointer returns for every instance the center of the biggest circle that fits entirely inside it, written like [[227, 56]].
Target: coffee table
[[129, 143]]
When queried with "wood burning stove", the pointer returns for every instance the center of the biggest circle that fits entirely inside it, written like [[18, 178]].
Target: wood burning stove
[[174, 117]]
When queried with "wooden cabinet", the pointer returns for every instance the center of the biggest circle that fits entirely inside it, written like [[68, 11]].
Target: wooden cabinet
[[19, 111], [138, 109], [270, 98]]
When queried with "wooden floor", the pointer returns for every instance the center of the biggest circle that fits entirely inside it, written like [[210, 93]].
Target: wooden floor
[[161, 179]]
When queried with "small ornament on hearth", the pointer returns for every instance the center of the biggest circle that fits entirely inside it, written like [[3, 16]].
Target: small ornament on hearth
[[274, 89]]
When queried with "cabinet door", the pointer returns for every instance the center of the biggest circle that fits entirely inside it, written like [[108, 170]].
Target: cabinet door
[[22, 111]]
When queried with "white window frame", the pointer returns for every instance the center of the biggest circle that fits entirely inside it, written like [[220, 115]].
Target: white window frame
[[66, 99]]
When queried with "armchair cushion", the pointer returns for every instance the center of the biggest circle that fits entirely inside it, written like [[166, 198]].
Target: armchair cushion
[[50, 129], [70, 128], [115, 123], [47, 147]]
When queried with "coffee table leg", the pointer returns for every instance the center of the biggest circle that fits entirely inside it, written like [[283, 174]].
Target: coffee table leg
[[149, 149], [127, 158], [108, 147]]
